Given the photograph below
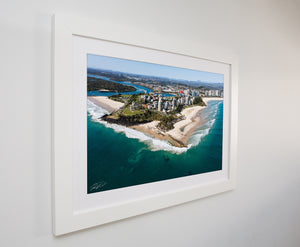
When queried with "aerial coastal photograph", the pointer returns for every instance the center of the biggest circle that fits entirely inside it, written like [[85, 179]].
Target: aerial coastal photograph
[[149, 122]]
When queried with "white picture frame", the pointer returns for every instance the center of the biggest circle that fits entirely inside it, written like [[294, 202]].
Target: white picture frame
[[72, 209]]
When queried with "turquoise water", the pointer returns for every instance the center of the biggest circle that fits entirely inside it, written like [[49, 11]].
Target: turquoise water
[[119, 157]]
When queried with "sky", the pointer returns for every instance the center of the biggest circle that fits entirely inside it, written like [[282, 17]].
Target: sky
[[142, 68]]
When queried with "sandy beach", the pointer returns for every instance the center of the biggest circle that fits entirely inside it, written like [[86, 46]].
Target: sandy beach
[[185, 128], [182, 129], [106, 103]]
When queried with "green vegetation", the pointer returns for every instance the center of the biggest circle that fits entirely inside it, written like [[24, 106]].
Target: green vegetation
[[138, 117], [132, 114], [133, 98], [145, 116], [198, 101], [121, 98], [127, 111], [95, 84], [167, 122], [179, 108]]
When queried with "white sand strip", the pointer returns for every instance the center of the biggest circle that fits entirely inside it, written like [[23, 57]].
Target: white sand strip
[[106, 103]]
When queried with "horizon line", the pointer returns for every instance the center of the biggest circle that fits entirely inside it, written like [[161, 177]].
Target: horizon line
[[155, 75]]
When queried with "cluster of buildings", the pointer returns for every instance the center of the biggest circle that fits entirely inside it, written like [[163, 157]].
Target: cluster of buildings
[[213, 93], [156, 102], [203, 93], [166, 100], [184, 90]]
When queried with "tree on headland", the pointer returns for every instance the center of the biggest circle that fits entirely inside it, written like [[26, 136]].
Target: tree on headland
[[198, 101]]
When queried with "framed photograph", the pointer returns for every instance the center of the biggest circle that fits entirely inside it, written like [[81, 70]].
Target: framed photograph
[[138, 125]]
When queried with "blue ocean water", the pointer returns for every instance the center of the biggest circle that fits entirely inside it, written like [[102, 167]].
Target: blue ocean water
[[120, 157]]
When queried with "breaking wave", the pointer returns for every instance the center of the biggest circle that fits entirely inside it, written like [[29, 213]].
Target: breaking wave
[[209, 115], [95, 111], [154, 144]]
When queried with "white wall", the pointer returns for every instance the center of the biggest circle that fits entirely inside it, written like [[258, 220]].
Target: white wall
[[262, 211]]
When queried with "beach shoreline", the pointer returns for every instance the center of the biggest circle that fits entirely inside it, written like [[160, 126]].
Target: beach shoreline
[[182, 130], [178, 136], [207, 99], [107, 104]]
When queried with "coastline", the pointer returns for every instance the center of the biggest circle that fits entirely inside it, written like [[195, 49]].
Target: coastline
[[207, 99], [178, 136], [182, 130], [104, 102]]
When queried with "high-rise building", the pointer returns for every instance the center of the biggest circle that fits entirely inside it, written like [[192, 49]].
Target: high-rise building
[[187, 99], [187, 92], [160, 103], [167, 105], [174, 102], [195, 93]]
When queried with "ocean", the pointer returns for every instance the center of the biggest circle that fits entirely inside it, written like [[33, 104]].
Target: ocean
[[120, 157]]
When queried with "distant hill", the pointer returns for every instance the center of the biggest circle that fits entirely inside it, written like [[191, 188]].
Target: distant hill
[[95, 84], [214, 86], [122, 76]]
